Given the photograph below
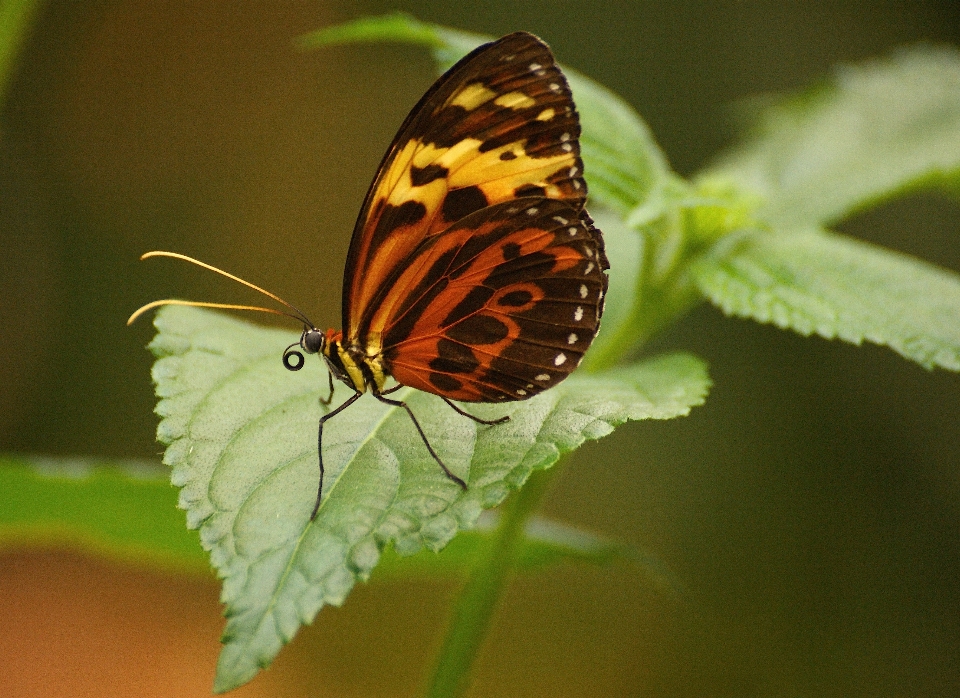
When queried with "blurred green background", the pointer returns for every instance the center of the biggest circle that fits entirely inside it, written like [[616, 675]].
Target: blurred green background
[[810, 511]]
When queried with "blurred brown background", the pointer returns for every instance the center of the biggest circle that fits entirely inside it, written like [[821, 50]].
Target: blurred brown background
[[810, 511]]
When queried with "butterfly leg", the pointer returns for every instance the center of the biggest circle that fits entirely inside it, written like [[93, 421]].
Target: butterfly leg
[[349, 401], [330, 396], [474, 417], [401, 403]]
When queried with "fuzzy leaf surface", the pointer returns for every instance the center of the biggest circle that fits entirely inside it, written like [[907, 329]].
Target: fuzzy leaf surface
[[814, 281]]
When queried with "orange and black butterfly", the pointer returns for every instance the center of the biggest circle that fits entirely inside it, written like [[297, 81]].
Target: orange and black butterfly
[[474, 272]]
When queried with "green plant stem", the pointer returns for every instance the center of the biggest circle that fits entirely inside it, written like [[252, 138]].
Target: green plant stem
[[16, 18], [474, 611]]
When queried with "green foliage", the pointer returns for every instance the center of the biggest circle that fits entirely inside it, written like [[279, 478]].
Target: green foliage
[[813, 281], [876, 130]]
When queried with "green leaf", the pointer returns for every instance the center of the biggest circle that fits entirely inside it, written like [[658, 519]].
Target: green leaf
[[623, 165], [125, 512], [122, 511], [242, 443], [877, 129], [817, 282]]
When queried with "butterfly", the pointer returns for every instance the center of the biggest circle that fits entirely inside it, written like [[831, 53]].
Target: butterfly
[[474, 271]]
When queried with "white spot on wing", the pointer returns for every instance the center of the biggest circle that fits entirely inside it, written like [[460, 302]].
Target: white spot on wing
[[542, 377], [574, 171], [589, 268], [565, 137], [535, 66], [567, 148], [532, 211], [559, 359], [572, 339], [583, 290], [555, 87], [561, 220], [572, 230], [578, 314], [521, 391]]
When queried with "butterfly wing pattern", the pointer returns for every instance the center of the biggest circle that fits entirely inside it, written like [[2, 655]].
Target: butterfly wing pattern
[[474, 273]]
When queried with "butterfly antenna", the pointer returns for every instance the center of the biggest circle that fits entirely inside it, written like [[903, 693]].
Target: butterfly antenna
[[299, 316]]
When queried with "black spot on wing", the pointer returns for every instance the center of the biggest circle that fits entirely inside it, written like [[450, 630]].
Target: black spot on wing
[[515, 299], [530, 190], [508, 155], [453, 357], [419, 176], [471, 303], [511, 250], [444, 383], [460, 203], [478, 329], [530, 266]]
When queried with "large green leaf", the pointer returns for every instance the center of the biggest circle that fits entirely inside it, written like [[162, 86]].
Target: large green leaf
[[622, 163], [118, 510], [817, 282], [126, 511], [242, 443], [877, 129]]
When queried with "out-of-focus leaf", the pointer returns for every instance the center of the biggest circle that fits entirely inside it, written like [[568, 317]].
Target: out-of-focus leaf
[[877, 129], [119, 510]]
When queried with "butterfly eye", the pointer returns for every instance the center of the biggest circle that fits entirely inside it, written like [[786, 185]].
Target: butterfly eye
[[312, 341]]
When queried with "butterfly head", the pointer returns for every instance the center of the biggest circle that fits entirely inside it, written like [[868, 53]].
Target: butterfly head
[[312, 340]]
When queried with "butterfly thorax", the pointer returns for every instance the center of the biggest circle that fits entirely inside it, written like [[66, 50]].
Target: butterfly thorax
[[351, 364]]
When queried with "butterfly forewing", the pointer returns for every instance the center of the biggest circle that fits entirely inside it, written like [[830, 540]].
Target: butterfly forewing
[[500, 307], [497, 126]]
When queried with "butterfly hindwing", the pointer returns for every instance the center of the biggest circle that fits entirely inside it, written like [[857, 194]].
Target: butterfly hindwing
[[499, 125], [500, 307]]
